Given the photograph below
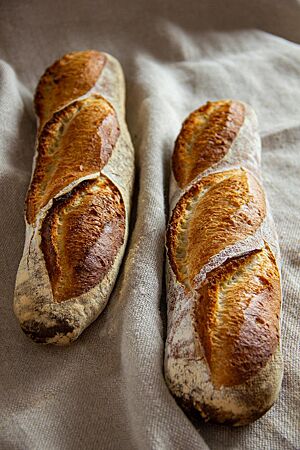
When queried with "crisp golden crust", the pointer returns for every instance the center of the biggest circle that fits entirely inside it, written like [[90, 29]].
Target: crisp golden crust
[[75, 243], [81, 236], [67, 79], [76, 142], [221, 209], [222, 356], [237, 317], [205, 138]]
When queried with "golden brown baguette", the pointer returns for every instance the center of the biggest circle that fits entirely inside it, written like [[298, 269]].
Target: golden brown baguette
[[222, 356], [78, 202]]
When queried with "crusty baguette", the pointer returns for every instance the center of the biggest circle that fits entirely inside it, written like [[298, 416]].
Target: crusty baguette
[[222, 356], [78, 202]]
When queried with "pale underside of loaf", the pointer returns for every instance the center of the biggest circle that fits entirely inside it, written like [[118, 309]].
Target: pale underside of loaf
[[187, 371], [44, 319]]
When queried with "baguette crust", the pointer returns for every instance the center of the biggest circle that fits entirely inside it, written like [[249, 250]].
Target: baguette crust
[[76, 142], [68, 78], [78, 204], [239, 337], [205, 138], [234, 202], [222, 355], [81, 236]]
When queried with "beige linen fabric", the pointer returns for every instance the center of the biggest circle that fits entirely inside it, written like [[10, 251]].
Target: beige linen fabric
[[107, 390]]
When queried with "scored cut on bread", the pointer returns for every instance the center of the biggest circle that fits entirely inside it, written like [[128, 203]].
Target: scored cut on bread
[[78, 202], [222, 354]]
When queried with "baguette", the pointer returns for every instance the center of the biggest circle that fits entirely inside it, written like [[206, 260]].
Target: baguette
[[78, 202], [222, 354]]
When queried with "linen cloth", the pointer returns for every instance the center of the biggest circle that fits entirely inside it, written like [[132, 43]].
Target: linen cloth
[[107, 390]]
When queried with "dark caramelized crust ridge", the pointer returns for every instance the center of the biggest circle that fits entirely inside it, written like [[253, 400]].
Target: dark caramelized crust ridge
[[76, 142], [237, 316], [205, 138], [81, 237], [220, 210], [67, 79]]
